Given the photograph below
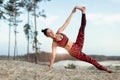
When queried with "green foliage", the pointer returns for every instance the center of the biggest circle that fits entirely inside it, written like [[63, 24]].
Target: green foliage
[[92, 68], [27, 31], [11, 10], [114, 67], [2, 15], [1, 1], [117, 67], [70, 66]]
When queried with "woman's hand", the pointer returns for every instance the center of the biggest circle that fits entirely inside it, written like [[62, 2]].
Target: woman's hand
[[81, 8], [50, 67], [77, 7], [74, 10]]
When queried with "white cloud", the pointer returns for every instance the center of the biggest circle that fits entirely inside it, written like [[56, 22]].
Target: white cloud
[[106, 19]]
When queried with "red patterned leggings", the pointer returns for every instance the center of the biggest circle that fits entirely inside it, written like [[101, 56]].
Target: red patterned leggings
[[76, 50]]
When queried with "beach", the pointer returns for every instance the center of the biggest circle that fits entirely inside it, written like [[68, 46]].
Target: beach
[[21, 70]]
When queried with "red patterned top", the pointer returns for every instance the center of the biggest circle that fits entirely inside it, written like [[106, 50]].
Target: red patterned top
[[63, 42]]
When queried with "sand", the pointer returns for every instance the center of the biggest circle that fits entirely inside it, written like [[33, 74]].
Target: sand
[[20, 70]]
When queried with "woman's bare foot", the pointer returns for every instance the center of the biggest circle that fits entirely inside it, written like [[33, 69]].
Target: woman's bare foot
[[109, 71], [83, 8]]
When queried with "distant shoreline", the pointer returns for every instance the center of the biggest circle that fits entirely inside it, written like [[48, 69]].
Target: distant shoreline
[[45, 57]]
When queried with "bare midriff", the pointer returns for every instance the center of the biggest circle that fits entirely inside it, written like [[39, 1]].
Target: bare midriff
[[68, 45]]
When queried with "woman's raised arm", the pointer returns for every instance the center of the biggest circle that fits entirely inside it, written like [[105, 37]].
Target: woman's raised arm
[[61, 29]]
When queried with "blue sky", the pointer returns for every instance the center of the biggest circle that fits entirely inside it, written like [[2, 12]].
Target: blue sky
[[102, 34]]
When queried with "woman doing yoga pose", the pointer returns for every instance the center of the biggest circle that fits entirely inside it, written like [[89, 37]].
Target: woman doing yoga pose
[[74, 48]]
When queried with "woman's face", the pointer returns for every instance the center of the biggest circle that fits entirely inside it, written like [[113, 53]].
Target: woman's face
[[50, 33]]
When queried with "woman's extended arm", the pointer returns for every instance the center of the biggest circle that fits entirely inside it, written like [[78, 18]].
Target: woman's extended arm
[[54, 45], [61, 29]]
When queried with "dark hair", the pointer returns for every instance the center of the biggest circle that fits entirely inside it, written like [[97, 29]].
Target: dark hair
[[45, 31]]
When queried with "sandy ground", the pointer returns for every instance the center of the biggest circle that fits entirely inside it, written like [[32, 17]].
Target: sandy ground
[[19, 70]]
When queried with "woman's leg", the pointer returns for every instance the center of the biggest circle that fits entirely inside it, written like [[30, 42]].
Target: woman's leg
[[77, 47], [83, 57], [80, 37]]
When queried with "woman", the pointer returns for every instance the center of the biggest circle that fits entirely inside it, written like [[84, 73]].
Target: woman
[[74, 49]]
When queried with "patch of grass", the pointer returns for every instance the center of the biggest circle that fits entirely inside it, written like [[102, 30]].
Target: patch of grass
[[70, 66], [92, 68], [114, 67], [117, 67]]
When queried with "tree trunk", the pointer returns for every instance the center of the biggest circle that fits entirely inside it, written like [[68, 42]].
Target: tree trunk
[[28, 50], [15, 31], [9, 39], [35, 37], [28, 41], [15, 45]]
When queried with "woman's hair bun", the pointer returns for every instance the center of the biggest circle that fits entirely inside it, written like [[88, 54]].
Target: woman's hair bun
[[42, 30]]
